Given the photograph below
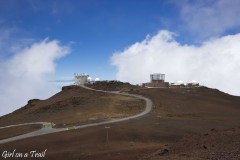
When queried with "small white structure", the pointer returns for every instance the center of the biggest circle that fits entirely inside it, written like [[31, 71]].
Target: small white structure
[[180, 82], [80, 79], [193, 83], [97, 79], [89, 79]]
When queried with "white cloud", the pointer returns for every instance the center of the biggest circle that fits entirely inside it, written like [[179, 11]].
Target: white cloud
[[215, 63], [23, 76], [210, 18]]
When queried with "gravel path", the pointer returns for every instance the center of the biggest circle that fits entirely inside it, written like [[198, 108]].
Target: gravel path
[[48, 127]]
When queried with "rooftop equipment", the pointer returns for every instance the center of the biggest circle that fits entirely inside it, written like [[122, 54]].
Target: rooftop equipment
[[80, 79], [157, 77]]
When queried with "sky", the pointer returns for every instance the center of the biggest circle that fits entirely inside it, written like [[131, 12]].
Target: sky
[[46, 41]]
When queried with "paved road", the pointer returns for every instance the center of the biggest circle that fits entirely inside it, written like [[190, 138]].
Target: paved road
[[24, 124], [47, 127]]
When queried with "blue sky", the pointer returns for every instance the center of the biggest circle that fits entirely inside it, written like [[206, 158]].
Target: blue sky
[[93, 29], [42, 41]]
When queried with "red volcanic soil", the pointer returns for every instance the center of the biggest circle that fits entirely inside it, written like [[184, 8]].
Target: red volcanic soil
[[75, 105], [198, 103], [18, 130], [112, 86], [219, 145], [176, 114]]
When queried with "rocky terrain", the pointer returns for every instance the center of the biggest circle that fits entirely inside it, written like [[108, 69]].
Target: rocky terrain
[[186, 123], [113, 86], [215, 145], [75, 105]]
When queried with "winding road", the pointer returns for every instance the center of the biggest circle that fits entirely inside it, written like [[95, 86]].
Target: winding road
[[48, 127]]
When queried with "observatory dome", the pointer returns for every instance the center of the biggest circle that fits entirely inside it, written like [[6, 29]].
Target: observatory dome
[[180, 82], [89, 78], [194, 82]]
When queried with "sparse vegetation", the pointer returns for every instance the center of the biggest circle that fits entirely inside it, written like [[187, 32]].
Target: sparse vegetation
[[74, 106], [113, 86], [201, 113]]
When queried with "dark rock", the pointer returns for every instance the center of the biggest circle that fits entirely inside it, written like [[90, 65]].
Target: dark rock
[[163, 152], [33, 102]]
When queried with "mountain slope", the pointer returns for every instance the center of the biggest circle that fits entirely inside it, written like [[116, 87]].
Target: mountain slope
[[177, 113], [75, 105]]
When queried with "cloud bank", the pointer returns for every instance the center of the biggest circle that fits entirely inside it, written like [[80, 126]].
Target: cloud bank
[[214, 64], [23, 76], [210, 18]]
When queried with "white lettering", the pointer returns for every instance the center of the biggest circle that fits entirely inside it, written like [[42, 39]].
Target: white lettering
[[4, 154], [19, 155], [35, 154], [7, 154], [14, 154], [25, 155]]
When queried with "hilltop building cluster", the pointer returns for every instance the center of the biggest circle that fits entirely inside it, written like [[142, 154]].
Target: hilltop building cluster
[[81, 79], [157, 80]]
